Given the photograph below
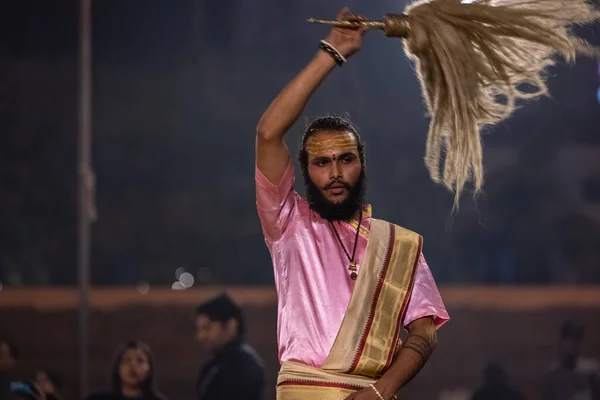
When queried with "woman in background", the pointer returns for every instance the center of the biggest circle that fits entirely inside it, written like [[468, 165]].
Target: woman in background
[[132, 375]]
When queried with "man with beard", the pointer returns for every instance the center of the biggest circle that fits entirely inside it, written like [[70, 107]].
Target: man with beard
[[346, 282], [234, 370]]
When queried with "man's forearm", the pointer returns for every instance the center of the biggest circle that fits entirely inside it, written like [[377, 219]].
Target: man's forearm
[[287, 106], [412, 357]]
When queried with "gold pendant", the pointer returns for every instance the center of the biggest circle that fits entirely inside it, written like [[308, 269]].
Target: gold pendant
[[352, 267]]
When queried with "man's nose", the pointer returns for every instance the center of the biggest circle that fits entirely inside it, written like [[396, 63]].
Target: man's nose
[[335, 172]]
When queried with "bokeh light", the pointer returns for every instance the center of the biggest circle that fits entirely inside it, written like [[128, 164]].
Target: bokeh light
[[186, 279], [143, 287]]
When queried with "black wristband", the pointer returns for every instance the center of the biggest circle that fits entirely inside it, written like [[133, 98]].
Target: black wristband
[[333, 52]]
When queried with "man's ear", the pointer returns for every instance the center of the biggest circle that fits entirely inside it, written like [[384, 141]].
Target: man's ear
[[231, 327]]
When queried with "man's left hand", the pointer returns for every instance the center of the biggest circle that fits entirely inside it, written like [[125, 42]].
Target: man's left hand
[[364, 394]]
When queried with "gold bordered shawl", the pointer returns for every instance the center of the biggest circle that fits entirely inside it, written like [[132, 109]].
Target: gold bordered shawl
[[369, 336]]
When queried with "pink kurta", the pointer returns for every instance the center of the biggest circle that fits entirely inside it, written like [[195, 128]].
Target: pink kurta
[[311, 272]]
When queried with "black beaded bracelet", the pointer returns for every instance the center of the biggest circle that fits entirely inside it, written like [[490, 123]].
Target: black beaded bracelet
[[333, 52]]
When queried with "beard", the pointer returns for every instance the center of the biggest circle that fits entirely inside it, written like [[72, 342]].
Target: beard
[[347, 209]]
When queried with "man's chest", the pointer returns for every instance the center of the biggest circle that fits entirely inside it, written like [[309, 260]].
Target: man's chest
[[318, 241]]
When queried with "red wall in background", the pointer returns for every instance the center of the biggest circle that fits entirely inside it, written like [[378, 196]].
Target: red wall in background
[[517, 326]]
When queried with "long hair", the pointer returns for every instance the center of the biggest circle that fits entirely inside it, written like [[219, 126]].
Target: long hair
[[472, 60], [148, 385]]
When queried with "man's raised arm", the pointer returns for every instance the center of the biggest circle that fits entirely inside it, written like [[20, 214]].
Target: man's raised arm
[[272, 156]]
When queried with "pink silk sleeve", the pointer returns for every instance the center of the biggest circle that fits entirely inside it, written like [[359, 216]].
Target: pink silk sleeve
[[425, 300], [275, 203]]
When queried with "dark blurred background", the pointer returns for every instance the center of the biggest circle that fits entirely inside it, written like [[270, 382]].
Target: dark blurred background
[[178, 87]]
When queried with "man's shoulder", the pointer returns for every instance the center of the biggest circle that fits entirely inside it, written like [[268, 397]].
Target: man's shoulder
[[249, 355], [303, 205], [302, 210], [400, 230], [245, 355]]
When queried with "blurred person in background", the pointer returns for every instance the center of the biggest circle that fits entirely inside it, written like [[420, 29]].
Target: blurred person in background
[[132, 376], [454, 393], [347, 283], [495, 385], [8, 359], [49, 383], [234, 371], [26, 390], [572, 377]]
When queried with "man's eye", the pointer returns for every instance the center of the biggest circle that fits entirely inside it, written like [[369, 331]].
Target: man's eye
[[321, 163]]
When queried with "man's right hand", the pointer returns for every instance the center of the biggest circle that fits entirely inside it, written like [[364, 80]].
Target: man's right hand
[[346, 40], [272, 156]]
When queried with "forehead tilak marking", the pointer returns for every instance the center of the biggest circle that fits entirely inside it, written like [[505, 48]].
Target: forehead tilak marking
[[314, 145], [321, 149], [312, 140]]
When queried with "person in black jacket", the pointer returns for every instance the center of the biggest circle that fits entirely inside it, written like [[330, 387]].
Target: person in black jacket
[[234, 371], [496, 386]]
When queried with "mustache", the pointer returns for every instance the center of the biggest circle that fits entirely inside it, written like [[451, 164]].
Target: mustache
[[343, 184], [343, 211]]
